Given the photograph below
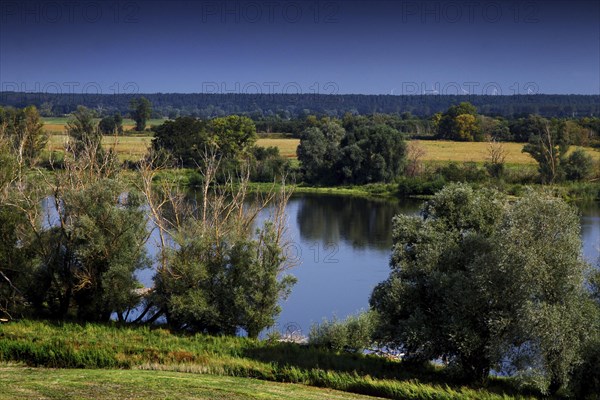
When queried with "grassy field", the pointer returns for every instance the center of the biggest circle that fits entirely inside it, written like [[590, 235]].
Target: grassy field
[[436, 151], [114, 349], [58, 124], [39, 383], [442, 150], [127, 147], [287, 147]]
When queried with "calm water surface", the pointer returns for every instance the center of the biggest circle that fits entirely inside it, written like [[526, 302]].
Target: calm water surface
[[342, 247]]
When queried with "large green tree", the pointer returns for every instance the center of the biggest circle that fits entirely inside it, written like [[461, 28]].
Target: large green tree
[[367, 152], [87, 260], [483, 283], [141, 111], [85, 137], [187, 139], [549, 148], [111, 125], [24, 130], [319, 151], [372, 153], [14, 252], [218, 283], [459, 122], [216, 272]]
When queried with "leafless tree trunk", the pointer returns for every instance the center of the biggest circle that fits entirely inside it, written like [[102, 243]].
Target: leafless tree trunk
[[415, 153]]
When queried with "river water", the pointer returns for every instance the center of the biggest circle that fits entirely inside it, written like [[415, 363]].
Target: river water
[[342, 245]]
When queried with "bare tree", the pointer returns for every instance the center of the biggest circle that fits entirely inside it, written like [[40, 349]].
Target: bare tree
[[225, 211], [496, 158], [414, 154]]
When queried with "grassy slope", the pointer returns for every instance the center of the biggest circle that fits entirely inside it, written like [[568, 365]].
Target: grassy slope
[[39, 383], [39, 344]]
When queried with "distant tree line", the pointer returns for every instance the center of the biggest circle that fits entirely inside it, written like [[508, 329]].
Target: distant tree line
[[289, 106]]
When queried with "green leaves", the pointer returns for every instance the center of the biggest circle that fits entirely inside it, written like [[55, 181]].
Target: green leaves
[[141, 111], [187, 138], [477, 277], [367, 152]]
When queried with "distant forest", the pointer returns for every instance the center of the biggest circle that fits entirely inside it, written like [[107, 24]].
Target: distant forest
[[286, 106]]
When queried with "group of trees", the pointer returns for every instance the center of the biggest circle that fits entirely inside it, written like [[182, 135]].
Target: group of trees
[[140, 110], [273, 102], [332, 153], [462, 122], [233, 140], [486, 284], [73, 241], [549, 145]]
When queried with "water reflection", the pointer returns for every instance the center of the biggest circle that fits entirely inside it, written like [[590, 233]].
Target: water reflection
[[343, 245], [358, 222], [590, 232], [360, 231]]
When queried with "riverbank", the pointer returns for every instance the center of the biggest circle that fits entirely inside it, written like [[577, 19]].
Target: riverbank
[[113, 347], [414, 188]]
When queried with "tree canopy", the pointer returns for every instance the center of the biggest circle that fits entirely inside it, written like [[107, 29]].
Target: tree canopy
[[483, 283], [187, 138], [367, 152], [141, 111]]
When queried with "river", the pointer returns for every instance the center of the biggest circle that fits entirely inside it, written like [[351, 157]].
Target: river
[[342, 246]]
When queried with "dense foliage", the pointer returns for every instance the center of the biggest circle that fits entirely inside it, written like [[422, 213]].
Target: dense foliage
[[483, 284], [330, 154], [74, 240], [111, 124], [24, 132], [140, 111], [207, 105], [459, 123], [187, 138]]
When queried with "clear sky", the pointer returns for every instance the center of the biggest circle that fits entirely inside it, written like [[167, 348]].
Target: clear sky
[[269, 46]]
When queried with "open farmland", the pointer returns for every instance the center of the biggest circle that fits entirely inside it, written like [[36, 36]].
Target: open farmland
[[59, 124], [287, 147], [436, 151], [127, 147]]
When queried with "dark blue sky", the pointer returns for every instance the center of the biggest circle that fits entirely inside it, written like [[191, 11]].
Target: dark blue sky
[[266, 46]]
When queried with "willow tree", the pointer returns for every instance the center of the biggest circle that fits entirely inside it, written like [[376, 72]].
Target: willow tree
[[217, 270], [486, 284]]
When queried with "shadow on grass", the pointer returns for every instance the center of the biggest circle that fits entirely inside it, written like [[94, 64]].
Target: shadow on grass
[[307, 358]]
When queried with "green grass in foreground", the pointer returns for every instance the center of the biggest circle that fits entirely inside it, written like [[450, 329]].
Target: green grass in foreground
[[110, 347], [19, 382]]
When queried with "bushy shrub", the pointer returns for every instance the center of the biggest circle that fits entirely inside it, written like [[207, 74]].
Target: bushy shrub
[[578, 166], [420, 186], [467, 172], [268, 164], [354, 334]]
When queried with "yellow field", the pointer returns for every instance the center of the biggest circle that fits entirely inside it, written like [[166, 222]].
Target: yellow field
[[287, 147], [61, 128], [442, 150], [134, 147], [127, 147]]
